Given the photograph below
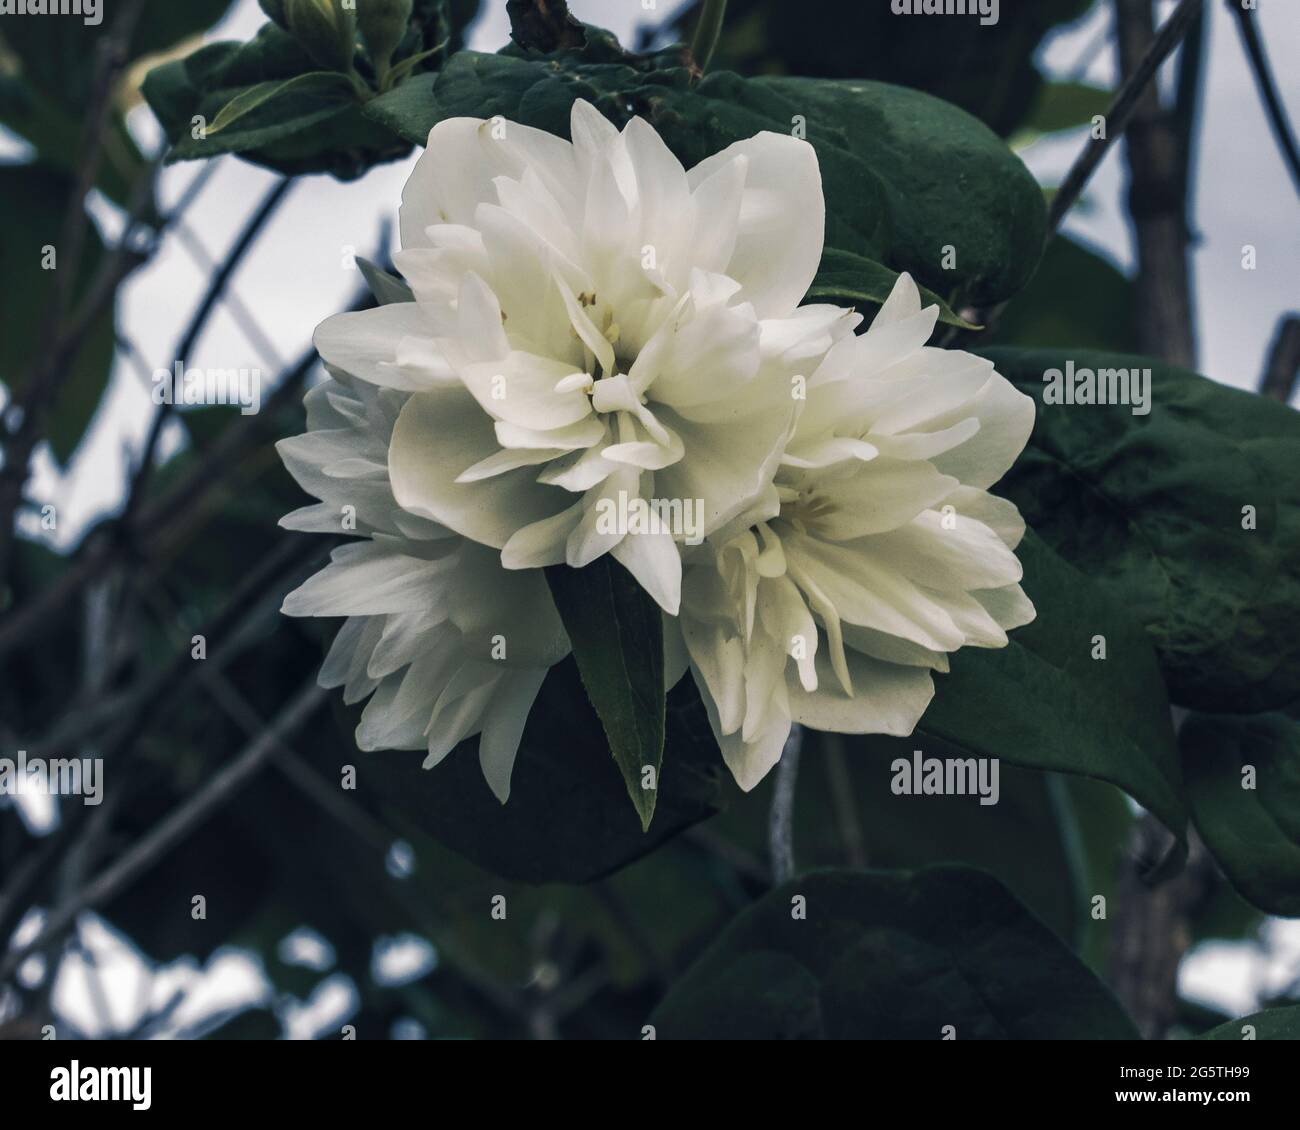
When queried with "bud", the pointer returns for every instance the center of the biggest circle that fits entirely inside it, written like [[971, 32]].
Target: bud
[[326, 29], [383, 23]]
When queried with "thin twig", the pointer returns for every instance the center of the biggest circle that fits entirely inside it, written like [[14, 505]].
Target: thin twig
[[1283, 361], [1259, 65], [1121, 110], [843, 800], [1157, 150], [156, 514], [198, 322], [173, 829], [780, 826]]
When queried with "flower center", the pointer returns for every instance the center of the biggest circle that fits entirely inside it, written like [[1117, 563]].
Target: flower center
[[803, 507], [614, 394]]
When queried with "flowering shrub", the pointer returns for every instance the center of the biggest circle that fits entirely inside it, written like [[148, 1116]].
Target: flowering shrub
[[688, 438]]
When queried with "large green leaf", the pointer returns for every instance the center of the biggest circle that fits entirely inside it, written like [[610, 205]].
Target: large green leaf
[[1243, 787], [1155, 507], [887, 154], [617, 634], [847, 813], [1272, 1024], [568, 817], [1035, 702], [881, 955]]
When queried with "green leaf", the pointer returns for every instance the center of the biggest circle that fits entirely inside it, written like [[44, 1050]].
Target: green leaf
[[618, 641], [1250, 823], [1153, 506], [399, 73], [265, 115], [992, 215], [54, 131], [887, 154], [1066, 105], [1048, 671], [849, 279], [309, 127], [890, 955], [566, 819], [40, 194], [1272, 1024], [385, 287], [845, 799], [1097, 315], [314, 83], [58, 56], [987, 70]]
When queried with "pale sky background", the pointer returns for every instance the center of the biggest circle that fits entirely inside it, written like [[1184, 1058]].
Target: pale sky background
[[296, 276]]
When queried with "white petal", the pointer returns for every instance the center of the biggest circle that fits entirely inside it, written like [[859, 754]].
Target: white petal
[[782, 220], [1006, 418], [364, 343], [749, 761], [365, 579], [654, 561], [440, 435], [1009, 606], [503, 727], [887, 699], [879, 495], [462, 158]]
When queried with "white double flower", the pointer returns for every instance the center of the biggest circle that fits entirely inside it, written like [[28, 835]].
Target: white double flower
[[594, 322]]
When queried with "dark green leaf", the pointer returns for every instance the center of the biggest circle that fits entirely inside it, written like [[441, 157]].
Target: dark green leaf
[[1243, 787], [890, 955], [259, 122], [311, 126], [1272, 1024], [1097, 315], [1066, 105], [567, 816], [326, 85], [1154, 506], [1049, 673], [846, 813], [618, 641], [849, 279]]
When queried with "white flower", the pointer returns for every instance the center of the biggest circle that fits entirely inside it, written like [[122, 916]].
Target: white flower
[[446, 642], [592, 319], [878, 552]]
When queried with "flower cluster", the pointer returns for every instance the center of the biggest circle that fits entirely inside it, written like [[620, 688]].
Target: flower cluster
[[592, 322]]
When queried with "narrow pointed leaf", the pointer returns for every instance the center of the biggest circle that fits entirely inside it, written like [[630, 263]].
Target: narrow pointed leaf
[[617, 635]]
